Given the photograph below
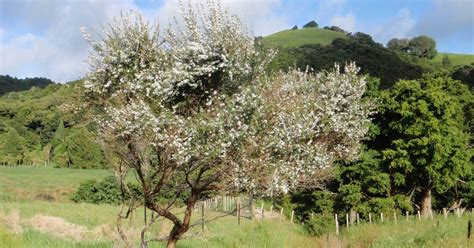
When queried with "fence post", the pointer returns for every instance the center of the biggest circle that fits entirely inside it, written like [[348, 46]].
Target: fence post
[[370, 218], [337, 224], [271, 209], [381, 217], [357, 218], [202, 218], [431, 213], [419, 216], [395, 216], [347, 220], [238, 211], [445, 213], [262, 210], [406, 213], [281, 213], [459, 213], [469, 227], [292, 215]]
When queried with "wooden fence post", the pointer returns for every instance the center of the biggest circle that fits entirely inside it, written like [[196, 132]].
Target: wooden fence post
[[370, 218], [262, 210], [238, 211], [419, 216], [292, 215], [395, 217], [347, 220], [459, 213], [357, 218], [271, 209], [337, 224], [202, 218], [445, 213], [469, 227], [381, 217], [431, 213], [281, 213], [406, 213]]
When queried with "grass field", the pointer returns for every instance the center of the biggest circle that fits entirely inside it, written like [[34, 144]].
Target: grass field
[[456, 59], [29, 222], [298, 37]]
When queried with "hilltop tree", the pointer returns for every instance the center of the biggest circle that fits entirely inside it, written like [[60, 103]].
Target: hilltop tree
[[423, 47], [311, 24], [428, 145], [190, 111], [399, 44]]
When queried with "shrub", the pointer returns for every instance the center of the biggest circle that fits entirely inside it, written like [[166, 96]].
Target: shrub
[[93, 191], [320, 224]]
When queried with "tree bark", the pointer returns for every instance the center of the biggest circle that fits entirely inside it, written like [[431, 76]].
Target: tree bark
[[172, 242], [426, 201]]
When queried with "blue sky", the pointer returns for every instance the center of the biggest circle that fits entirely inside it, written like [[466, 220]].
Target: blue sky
[[42, 37]]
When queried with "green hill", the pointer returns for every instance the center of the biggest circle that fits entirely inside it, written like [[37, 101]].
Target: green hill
[[455, 58], [298, 37]]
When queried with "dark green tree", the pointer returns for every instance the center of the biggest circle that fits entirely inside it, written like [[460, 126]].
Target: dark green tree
[[12, 148], [423, 47], [428, 145], [311, 24], [83, 151], [294, 27], [398, 44]]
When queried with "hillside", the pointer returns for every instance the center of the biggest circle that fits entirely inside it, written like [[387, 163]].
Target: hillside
[[456, 58], [298, 37], [11, 84]]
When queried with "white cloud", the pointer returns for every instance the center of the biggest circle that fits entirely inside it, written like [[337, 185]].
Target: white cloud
[[58, 50], [399, 26], [55, 48], [346, 22]]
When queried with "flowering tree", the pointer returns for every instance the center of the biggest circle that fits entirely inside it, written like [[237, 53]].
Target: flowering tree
[[188, 109], [303, 122]]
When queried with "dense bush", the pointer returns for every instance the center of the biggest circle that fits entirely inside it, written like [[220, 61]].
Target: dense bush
[[108, 191], [320, 224], [93, 191]]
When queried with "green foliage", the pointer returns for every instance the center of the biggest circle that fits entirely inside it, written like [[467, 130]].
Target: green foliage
[[294, 27], [12, 84], [320, 224], [336, 29], [371, 57], [464, 74], [423, 47], [83, 151], [398, 44], [424, 124], [93, 191], [34, 115], [311, 24], [12, 148]]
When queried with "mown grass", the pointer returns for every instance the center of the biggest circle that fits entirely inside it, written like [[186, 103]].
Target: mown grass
[[298, 37], [455, 59], [222, 231]]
